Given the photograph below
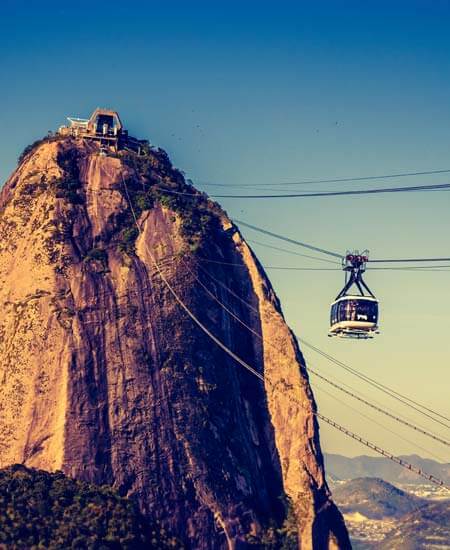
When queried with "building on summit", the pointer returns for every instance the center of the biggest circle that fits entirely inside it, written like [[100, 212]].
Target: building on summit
[[104, 127]]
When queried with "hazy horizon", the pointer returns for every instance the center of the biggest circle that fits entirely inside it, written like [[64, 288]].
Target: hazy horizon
[[411, 455]]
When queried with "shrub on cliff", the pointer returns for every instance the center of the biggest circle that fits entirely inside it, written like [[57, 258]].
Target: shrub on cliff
[[33, 146], [49, 510], [154, 180]]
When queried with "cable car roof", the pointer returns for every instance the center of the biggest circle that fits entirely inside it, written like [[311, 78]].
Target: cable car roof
[[355, 297]]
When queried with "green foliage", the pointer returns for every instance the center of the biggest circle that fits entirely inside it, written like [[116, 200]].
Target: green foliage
[[51, 511], [150, 159], [30, 148], [127, 238], [168, 201], [129, 235], [144, 201], [156, 180], [68, 161], [96, 254], [67, 187], [198, 216], [279, 538], [289, 530]]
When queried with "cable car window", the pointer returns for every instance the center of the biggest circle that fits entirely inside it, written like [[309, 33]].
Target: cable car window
[[357, 310], [346, 310], [367, 311], [334, 314]]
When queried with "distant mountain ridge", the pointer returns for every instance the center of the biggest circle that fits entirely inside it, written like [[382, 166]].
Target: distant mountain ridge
[[343, 467], [381, 516]]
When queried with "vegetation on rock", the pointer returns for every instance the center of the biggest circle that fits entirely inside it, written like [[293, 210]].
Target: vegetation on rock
[[67, 186], [155, 180], [279, 538], [152, 180], [49, 510], [33, 146], [96, 254]]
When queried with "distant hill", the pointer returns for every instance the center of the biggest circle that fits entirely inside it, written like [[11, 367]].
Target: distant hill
[[374, 499], [342, 467], [380, 516], [424, 529]]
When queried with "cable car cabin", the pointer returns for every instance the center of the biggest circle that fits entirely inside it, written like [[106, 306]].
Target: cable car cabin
[[354, 317]]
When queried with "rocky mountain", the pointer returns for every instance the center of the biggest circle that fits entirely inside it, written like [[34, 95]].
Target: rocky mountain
[[374, 499], [105, 376], [343, 467]]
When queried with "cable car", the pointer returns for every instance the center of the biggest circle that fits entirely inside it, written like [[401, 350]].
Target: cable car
[[354, 315]]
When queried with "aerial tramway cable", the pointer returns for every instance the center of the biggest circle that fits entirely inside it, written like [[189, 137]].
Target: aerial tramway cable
[[381, 425], [410, 260], [289, 240], [309, 246], [220, 262], [379, 409], [407, 401], [382, 405], [374, 383], [309, 369], [248, 367], [292, 252], [416, 269], [440, 268], [409, 189], [385, 389], [405, 189], [334, 254], [410, 268], [335, 180]]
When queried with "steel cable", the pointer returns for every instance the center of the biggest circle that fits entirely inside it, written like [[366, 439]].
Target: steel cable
[[378, 385], [240, 361], [309, 369], [335, 180]]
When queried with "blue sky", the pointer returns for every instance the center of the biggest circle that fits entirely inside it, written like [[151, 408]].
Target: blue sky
[[258, 92]]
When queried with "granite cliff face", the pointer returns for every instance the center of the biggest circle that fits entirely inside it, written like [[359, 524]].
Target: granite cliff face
[[104, 376]]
